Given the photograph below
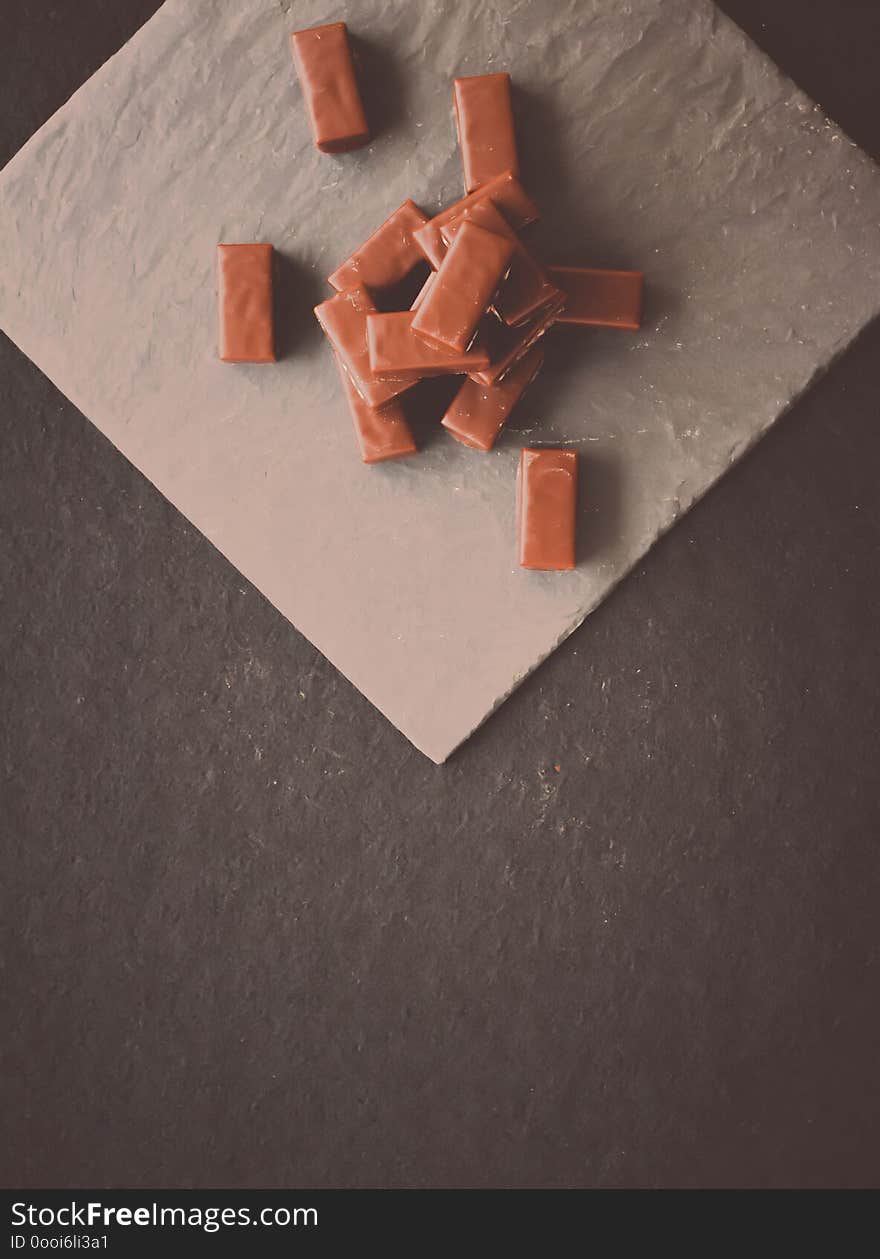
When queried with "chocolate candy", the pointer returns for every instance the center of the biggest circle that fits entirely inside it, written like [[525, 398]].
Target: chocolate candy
[[382, 432], [526, 288], [344, 320], [322, 57], [397, 354], [507, 346], [244, 300], [546, 501], [484, 120], [509, 196], [478, 412], [475, 264], [387, 256], [604, 299]]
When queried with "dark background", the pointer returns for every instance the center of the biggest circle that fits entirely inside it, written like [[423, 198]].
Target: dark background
[[252, 938]]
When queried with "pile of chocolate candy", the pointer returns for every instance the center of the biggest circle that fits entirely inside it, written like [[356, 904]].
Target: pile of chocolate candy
[[480, 313]]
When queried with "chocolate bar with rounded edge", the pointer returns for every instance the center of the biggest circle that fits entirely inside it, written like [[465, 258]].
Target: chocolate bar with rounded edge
[[601, 299], [484, 121], [509, 196], [546, 508], [322, 56], [478, 412], [463, 288], [382, 432], [344, 320], [396, 353], [507, 346], [244, 303], [527, 287], [386, 257]]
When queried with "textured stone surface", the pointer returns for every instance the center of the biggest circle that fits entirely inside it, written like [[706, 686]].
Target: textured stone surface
[[233, 955], [654, 135]]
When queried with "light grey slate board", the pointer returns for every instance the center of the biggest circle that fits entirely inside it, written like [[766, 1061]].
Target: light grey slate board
[[653, 134]]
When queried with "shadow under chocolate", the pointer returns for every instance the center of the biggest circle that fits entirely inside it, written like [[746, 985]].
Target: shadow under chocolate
[[296, 290]]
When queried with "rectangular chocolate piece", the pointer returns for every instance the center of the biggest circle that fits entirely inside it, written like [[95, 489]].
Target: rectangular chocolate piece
[[387, 256], [322, 57], [546, 505], [527, 288], [484, 121], [244, 302], [507, 346], [463, 288], [478, 412], [602, 299], [344, 320], [509, 196], [396, 353], [382, 432]]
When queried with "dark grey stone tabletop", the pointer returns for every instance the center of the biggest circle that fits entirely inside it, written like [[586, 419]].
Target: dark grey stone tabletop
[[627, 936]]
